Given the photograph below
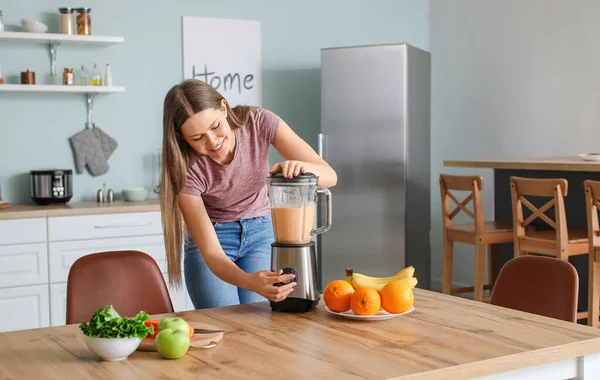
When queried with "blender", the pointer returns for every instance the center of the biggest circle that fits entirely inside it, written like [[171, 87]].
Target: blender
[[293, 209]]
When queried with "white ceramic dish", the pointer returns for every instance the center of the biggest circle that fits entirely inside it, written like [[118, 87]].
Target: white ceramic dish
[[33, 26], [590, 157], [112, 349], [135, 194], [382, 315]]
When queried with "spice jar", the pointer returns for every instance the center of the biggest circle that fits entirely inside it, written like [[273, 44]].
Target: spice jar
[[84, 21], [66, 20], [27, 77], [68, 77]]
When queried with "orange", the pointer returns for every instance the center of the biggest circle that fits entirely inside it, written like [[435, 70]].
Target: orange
[[337, 295], [396, 297], [365, 301]]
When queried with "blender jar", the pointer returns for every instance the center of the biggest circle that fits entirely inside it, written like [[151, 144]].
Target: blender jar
[[293, 208]]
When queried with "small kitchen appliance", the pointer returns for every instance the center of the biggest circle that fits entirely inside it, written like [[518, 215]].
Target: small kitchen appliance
[[51, 186], [293, 210]]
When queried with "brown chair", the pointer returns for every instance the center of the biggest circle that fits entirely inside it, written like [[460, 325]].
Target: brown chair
[[558, 241], [479, 233], [539, 285], [592, 198], [131, 281]]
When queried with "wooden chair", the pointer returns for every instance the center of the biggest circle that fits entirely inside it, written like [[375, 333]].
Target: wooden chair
[[592, 198], [131, 281], [539, 285], [480, 233], [558, 241]]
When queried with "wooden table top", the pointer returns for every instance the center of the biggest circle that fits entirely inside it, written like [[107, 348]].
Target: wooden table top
[[571, 163], [78, 208], [446, 337]]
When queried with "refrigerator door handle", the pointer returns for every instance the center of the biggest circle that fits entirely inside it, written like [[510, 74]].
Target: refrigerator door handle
[[321, 146]]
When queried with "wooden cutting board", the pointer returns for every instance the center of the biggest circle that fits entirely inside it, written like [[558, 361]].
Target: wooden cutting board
[[197, 341]]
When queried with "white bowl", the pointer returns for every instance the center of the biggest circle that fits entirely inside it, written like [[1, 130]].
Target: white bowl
[[33, 26], [112, 349], [135, 194], [590, 157]]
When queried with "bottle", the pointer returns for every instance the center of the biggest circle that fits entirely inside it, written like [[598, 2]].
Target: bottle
[[84, 77], [1, 22], [68, 76], [108, 76], [96, 76]]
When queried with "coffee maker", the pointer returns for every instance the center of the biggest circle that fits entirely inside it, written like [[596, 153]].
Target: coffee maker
[[293, 210]]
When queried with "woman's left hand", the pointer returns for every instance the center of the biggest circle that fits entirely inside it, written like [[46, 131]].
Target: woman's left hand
[[289, 168]]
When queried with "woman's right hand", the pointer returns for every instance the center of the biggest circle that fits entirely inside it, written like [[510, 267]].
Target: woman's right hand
[[262, 282]]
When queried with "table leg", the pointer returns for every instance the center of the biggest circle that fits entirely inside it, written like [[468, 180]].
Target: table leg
[[574, 206]]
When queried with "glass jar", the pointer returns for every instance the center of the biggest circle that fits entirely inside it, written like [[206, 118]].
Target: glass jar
[[68, 77], [66, 20], [84, 21], [293, 206]]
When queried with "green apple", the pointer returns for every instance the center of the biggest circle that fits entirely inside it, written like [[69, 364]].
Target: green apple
[[173, 323], [172, 344]]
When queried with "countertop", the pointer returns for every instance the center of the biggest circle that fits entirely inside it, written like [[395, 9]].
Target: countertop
[[570, 163], [445, 337], [78, 208]]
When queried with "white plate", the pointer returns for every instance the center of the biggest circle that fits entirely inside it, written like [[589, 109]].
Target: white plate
[[382, 315], [588, 157]]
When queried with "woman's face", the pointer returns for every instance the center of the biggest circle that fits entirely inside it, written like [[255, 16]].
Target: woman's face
[[209, 133]]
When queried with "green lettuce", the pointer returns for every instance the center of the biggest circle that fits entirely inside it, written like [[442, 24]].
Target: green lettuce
[[107, 323]]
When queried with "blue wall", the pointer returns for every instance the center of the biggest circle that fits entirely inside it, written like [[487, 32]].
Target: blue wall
[[34, 128]]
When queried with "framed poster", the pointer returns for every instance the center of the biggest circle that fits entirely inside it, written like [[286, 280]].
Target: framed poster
[[226, 54]]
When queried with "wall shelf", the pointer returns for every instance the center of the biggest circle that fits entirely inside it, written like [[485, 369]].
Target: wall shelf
[[54, 40], [59, 88], [48, 38]]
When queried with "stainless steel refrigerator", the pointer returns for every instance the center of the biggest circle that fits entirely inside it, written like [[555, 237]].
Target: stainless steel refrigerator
[[375, 132]]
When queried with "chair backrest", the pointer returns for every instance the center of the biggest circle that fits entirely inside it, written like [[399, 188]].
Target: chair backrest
[[592, 201], [473, 184], [539, 285], [555, 188], [131, 281]]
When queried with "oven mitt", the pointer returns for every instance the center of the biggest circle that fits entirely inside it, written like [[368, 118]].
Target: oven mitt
[[107, 143], [88, 151]]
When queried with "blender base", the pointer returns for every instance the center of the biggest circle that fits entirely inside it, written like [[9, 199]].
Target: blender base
[[294, 305]]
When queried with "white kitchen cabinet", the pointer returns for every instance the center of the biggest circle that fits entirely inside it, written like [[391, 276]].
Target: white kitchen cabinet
[[25, 307], [179, 297], [64, 254], [82, 227], [36, 255], [23, 264], [58, 304], [23, 231]]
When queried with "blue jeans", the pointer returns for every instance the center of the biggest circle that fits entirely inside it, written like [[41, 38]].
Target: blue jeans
[[247, 243]]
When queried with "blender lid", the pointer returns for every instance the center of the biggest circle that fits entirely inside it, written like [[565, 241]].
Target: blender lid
[[301, 179]]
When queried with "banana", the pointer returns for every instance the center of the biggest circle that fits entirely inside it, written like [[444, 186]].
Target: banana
[[359, 280]]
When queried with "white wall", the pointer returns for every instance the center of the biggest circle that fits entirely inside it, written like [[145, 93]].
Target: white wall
[[510, 79]]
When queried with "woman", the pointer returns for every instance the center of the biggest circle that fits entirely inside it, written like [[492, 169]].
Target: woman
[[213, 179]]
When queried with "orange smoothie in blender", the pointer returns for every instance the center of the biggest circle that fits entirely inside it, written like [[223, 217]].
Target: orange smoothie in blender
[[292, 225]]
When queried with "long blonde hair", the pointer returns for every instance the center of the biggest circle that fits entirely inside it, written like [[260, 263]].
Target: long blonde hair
[[181, 102]]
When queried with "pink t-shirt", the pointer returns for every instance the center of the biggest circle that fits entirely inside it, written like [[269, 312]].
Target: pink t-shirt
[[237, 190]]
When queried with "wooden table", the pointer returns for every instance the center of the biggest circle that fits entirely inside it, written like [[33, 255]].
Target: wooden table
[[574, 169], [446, 337]]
